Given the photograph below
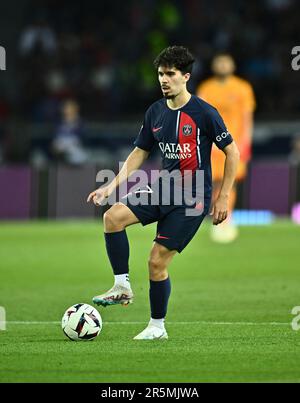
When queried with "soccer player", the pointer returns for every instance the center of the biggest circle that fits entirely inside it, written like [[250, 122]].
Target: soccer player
[[234, 99], [184, 127]]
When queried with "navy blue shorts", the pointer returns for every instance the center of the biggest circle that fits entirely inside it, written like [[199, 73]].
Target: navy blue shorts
[[175, 229]]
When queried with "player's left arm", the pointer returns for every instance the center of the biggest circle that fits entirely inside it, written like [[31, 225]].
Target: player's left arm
[[248, 107], [202, 91], [221, 205], [245, 142]]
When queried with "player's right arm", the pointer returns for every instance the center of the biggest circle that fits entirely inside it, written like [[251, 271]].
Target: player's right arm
[[144, 144], [203, 90], [248, 105], [132, 163]]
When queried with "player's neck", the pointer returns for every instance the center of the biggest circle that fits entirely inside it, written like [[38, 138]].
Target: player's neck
[[224, 79], [179, 101]]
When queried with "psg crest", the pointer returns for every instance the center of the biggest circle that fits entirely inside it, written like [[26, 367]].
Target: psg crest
[[187, 130]]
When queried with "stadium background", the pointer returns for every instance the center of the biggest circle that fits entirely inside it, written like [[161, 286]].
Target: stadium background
[[100, 54], [103, 59]]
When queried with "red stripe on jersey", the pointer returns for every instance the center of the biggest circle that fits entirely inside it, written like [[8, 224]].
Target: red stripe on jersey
[[187, 138]]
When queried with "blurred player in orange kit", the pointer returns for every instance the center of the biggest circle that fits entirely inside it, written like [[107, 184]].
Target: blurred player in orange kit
[[234, 99]]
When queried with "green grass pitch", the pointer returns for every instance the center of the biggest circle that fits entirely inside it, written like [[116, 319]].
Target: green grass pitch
[[229, 317]]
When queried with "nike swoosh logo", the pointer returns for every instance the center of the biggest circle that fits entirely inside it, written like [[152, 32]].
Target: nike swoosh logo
[[156, 129], [162, 237]]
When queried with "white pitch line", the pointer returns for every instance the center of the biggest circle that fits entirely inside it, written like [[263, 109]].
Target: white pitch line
[[169, 323]]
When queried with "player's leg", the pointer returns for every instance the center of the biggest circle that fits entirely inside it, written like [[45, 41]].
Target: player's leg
[[226, 231], [159, 292], [174, 232], [115, 220]]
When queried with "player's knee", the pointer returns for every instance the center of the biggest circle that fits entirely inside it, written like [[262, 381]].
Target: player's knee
[[107, 220], [155, 262], [110, 221], [157, 268]]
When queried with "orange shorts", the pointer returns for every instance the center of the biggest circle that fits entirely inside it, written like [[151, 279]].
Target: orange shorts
[[217, 166]]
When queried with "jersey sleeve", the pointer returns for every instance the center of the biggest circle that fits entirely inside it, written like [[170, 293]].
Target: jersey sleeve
[[203, 91], [145, 139], [249, 103], [217, 130]]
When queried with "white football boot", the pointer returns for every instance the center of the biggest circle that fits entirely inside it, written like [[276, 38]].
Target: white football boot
[[116, 295], [224, 233], [152, 332]]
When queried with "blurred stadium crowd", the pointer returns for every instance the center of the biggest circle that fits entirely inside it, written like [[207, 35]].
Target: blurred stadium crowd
[[100, 54], [80, 76]]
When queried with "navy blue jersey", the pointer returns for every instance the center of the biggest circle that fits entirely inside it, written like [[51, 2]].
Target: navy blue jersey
[[184, 136]]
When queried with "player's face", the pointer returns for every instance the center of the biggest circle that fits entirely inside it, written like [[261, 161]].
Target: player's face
[[172, 81], [223, 66], [70, 110]]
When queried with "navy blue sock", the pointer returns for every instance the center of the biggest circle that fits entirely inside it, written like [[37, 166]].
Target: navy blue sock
[[117, 248], [159, 295]]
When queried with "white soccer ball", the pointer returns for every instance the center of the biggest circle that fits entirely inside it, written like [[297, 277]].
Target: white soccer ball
[[81, 322]]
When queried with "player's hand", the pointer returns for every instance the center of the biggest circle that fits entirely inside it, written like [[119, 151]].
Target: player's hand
[[220, 210], [98, 195]]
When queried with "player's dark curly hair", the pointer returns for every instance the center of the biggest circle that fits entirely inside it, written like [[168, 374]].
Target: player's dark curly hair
[[175, 56]]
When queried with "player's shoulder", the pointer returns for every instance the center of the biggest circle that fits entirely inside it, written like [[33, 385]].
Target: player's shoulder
[[241, 82], [156, 106], [203, 107], [205, 114], [208, 82], [206, 87]]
